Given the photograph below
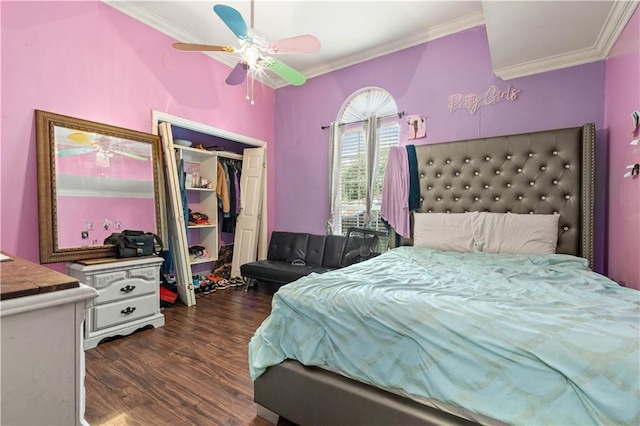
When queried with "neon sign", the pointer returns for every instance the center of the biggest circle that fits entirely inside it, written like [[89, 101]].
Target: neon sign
[[474, 101]]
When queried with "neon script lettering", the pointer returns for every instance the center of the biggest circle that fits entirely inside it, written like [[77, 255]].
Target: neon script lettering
[[474, 101]]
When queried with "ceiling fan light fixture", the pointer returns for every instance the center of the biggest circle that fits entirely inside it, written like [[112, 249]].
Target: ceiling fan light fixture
[[255, 53]]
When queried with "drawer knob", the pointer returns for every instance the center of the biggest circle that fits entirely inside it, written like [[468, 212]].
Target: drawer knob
[[127, 311], [128, 288]]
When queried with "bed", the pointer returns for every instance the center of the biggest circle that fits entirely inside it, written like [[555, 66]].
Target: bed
[[422, 336]]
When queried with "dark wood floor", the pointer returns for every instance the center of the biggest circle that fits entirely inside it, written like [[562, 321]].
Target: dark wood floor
[[192, 371]]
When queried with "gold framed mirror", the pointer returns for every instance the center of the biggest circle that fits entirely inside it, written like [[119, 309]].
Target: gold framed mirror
[[94, 179]]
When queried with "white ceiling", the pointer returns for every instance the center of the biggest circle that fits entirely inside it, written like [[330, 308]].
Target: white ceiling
[[525, 37]]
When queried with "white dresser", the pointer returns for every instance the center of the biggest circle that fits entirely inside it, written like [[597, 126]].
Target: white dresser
[[128, 297], [42, 369]]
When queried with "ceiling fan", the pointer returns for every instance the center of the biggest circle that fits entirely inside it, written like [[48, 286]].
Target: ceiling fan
[[104, 147], [255, 52]]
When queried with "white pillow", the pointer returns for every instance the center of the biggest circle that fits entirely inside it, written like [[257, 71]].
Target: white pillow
[[443, 231], [516, 233]]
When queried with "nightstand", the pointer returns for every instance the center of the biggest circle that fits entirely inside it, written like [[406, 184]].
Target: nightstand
[[128, 296]]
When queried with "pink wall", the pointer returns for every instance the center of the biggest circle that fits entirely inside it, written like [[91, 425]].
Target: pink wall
[[88, 60], [421, 79], [622, 96]]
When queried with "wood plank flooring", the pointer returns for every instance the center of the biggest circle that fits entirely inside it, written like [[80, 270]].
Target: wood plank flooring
[[192, 371]]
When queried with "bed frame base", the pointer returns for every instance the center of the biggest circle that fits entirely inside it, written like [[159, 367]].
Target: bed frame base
[[312, 396]]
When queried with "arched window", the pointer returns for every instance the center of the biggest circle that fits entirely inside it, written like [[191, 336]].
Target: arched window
[[360, 158]]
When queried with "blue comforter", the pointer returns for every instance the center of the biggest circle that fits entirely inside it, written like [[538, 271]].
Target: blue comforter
[[517, 338]]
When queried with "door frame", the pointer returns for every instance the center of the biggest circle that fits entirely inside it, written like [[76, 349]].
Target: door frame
[[158, 116]]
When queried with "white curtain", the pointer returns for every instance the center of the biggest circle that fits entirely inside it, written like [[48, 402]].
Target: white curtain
[[371, 149], [335, 154]]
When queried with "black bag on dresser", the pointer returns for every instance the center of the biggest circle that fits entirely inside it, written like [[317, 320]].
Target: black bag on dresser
[[135, 243]]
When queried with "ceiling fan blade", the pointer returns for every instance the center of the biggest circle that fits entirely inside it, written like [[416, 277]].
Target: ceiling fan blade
[[233, 19], [130, 155], [203, 47], [237, 74], [67, 152], [300, 44], [289, 74], [80, 138]]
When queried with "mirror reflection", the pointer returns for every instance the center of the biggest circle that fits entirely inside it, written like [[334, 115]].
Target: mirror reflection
[[104, 185]]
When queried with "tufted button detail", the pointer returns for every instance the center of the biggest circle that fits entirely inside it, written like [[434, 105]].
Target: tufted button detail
[[466, 187], [448, 211], [448, 161], [543, 168], [476, 198], [531, 212], [532, 183], [466, 160], [566, 166], [531, 154], [508, 157], [421, 175], [438, 175], [486, 186], [487, 158], [519, 197], [497, 198], [448, 186], [519, 170], [543, 198], [567, 196], [555, 182], [497, 172], [428, 188], [457, 199], [508, 211], [555, 152], [476, 173], [429, 211], [566, 228], [438, 199], [457, 173], [430, 162], [555, 212], [421, 199], [508, 185]]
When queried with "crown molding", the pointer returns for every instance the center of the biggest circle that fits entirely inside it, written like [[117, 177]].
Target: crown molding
[[617, 19]]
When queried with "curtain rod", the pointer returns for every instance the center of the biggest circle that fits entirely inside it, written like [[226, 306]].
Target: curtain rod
[[399, 114]]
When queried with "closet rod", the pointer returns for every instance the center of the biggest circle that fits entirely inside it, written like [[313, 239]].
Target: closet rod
[[399, 114]]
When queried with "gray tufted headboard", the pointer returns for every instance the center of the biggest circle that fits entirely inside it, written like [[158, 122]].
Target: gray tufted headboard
[[541, 172]]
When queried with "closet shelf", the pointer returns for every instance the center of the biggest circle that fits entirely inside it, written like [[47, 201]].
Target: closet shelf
[[194, 154], [202, 189], [202, 260], [201, 226]]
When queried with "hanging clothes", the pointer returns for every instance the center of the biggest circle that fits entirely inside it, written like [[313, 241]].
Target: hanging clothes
[[414, 182], [222, 189], [182, 178], [236, 176], [394, 207], [231, 169]]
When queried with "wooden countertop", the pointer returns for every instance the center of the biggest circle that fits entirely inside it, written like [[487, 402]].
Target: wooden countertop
[[19, 277]]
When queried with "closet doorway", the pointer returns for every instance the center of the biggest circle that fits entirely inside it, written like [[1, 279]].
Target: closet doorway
[[248, 233]]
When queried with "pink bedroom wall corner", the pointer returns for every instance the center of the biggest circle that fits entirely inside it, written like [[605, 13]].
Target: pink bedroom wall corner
[[622, 97]]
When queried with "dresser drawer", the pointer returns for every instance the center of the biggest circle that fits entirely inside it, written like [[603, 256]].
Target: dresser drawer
[[125, 289], [124, 311]]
